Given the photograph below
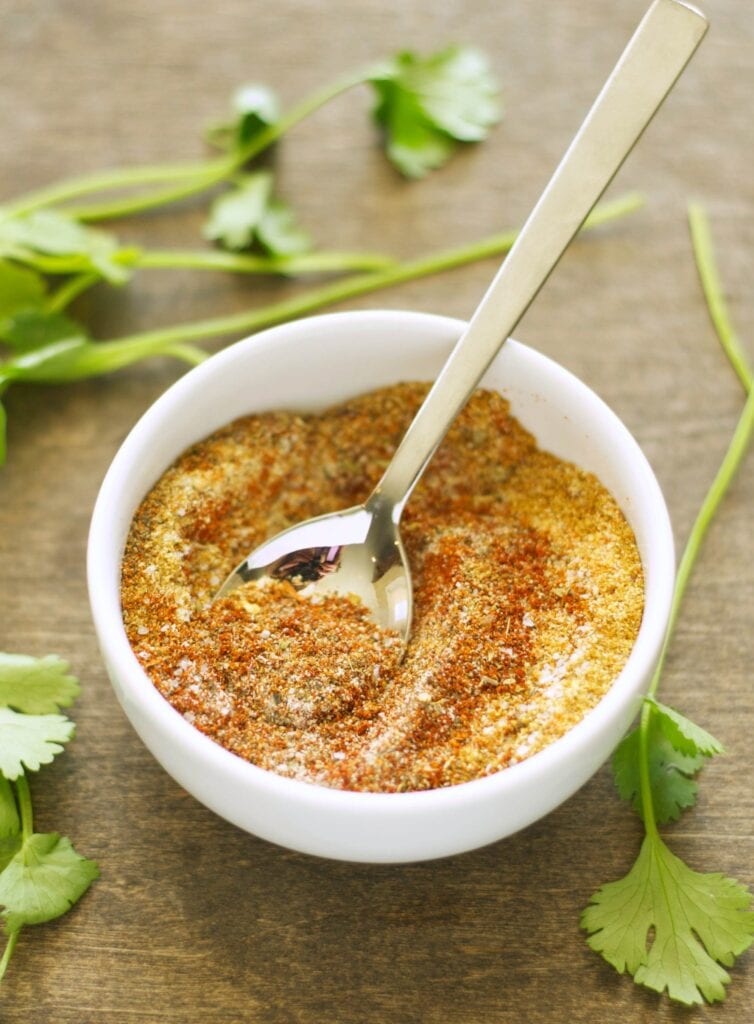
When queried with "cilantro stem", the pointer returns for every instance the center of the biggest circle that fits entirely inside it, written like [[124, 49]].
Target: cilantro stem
[[240, 263], [24, 805], [705, 261], [107, 356], [68, 264], [701, 240], [188, 353], [361, 284], [10, 945], [645, 782], [351, 287], [723, 478], [67, 292], [103, 181], [321, 262], [214, 171]]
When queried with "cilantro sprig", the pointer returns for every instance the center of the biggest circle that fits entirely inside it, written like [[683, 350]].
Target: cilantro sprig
[[426, 103], [448, 98], [671, 927], [49, 255], [41, 875], [49, 347]]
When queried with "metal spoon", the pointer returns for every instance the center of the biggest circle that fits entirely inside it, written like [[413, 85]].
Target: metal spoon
[[359, 551]]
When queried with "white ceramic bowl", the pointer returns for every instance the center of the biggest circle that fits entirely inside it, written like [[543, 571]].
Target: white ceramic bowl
[[308, 365]]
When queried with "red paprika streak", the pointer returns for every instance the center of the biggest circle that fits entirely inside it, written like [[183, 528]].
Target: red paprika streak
[[528, 591]]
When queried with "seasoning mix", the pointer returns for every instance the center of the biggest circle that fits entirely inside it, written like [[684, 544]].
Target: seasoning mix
[[528, 596]]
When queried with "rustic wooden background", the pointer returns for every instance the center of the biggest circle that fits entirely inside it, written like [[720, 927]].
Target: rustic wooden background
[[193, 920]]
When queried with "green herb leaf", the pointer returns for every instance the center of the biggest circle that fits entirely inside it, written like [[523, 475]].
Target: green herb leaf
[[9, 820], [249, 214], [43, 880], [279, 234], [47, 233], [670, 772], [428, 104], [671, 927], [20, 288], [59, 361], [38, 686], [31, 329], [30, 740], [9, 847], [683, 734], [255, 107], [234, 216]]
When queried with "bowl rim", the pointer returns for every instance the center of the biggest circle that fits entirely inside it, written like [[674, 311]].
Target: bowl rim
[[137, 687]]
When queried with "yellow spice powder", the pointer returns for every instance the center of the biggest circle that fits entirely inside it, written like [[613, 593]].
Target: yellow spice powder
[[528, 598]]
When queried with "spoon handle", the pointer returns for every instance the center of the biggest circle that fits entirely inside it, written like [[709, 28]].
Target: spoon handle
[[655, 56]]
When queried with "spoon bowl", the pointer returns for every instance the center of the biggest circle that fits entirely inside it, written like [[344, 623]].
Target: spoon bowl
[[357, 551]]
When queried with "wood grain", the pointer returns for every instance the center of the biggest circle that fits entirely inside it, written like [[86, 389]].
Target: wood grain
[[194, 921]]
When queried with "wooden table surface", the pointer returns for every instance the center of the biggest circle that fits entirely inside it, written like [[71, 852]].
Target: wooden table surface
[[193, 920]]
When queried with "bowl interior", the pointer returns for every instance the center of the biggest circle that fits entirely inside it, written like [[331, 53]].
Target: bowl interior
[[307, 366]]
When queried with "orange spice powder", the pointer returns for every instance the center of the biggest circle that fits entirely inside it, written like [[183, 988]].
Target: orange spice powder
[[527, 582]]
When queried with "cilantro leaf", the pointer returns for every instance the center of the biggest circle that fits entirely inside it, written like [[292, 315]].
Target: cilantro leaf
[[279, 234], [254, 108], [683, 734], [9, 820], [234, 216], [67, 358], [9, 846], [30, 740], [426, 105], [671, 927], [30, 329], [670, 773], [38, 686], [249, 214], [20, 288], [43, 880], [676, 749], [54, 234]]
